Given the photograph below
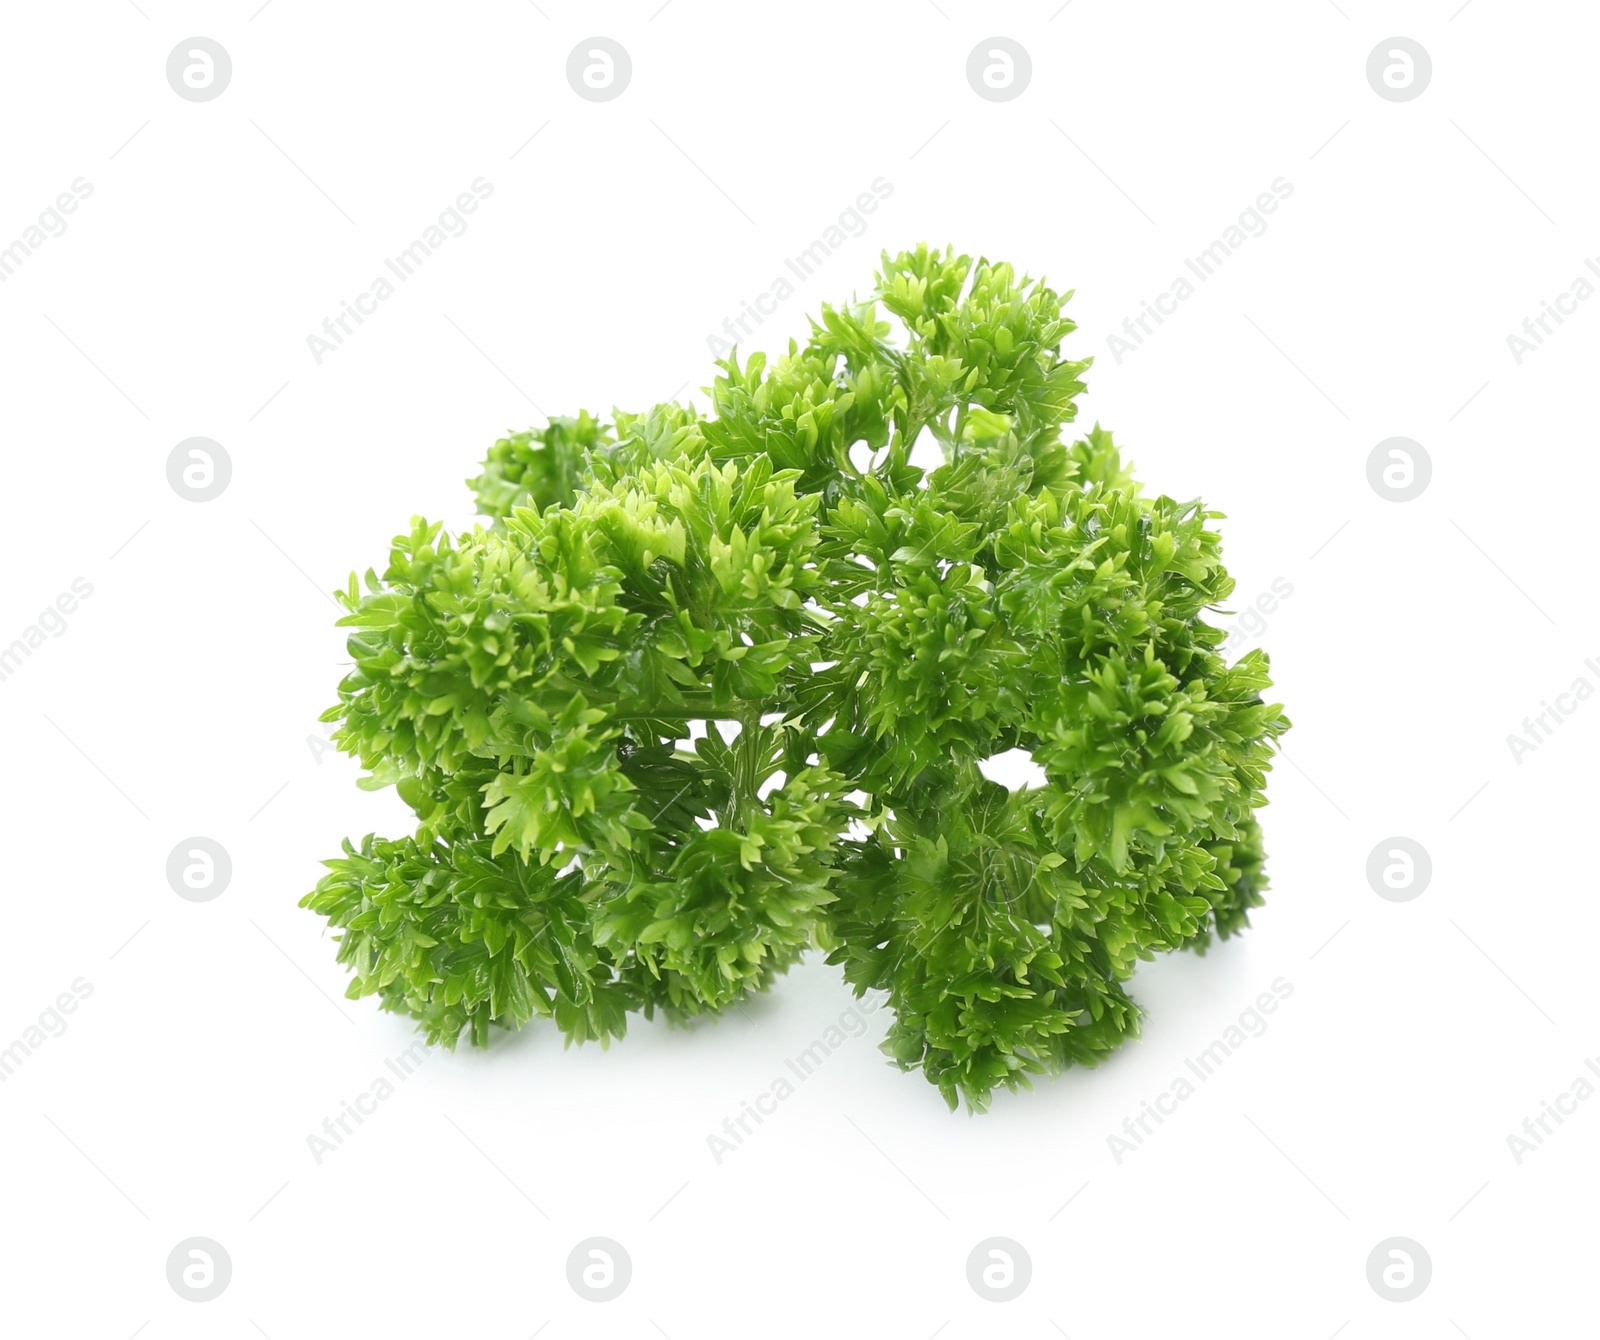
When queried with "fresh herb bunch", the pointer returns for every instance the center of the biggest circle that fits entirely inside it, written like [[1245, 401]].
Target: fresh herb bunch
[[861, 634]]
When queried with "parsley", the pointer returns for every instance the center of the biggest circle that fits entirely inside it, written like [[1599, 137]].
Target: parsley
[[860, 634]]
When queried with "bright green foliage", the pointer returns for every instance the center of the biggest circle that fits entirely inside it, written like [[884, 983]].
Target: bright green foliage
[[860, 634]]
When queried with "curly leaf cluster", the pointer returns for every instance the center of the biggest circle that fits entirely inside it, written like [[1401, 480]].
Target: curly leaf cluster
[[713, 690]]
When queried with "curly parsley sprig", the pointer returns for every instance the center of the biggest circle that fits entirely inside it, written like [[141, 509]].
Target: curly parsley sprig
[[711, 691]]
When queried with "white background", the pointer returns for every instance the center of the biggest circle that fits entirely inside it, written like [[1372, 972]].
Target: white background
[[182, 698]]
